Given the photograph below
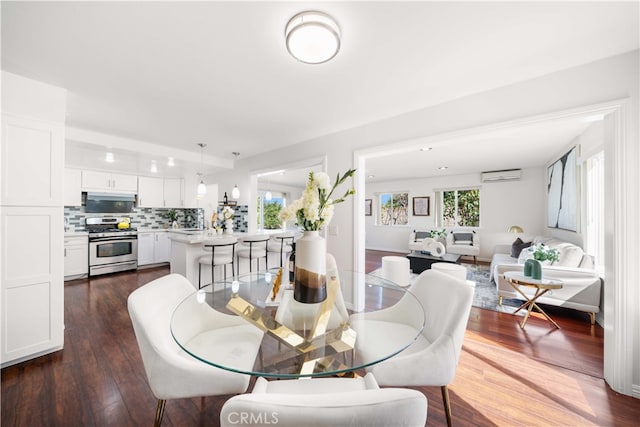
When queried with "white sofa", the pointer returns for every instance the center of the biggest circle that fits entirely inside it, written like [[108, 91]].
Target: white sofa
[[581, 282]]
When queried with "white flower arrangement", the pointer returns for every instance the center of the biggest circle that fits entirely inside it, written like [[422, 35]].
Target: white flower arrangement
[[315, 209], [227, 213]]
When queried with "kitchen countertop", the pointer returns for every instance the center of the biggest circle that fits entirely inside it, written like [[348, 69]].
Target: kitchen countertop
[[190, 236]]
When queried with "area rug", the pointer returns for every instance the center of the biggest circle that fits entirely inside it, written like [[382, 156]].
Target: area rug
[[485, 294]]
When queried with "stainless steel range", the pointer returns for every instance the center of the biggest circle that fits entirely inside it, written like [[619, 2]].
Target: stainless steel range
[[111, 248]]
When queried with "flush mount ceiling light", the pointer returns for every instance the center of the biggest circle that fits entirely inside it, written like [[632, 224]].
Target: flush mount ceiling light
[[312, 37]]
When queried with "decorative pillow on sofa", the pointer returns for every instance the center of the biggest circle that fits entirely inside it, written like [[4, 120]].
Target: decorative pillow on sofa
[[518, 246]]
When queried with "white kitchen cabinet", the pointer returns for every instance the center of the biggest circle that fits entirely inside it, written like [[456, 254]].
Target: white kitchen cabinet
[[109, 182], [150, 192], [32, 282], [72, 187], [173, 193], [154, 247], [76, 256], [159, 192], [32, 162]]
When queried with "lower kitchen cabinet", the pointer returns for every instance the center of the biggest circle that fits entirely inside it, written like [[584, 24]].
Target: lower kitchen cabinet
[[154, 247], [76, 256]]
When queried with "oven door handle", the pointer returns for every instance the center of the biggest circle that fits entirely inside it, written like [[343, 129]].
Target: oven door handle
[[112, 239]]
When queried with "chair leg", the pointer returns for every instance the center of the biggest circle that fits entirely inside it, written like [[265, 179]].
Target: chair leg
[[159, 412], [199, 276], [447, 404]]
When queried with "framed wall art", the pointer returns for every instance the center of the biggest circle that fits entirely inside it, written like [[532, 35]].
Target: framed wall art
[[421, 206], [368, 207], [562, 192]]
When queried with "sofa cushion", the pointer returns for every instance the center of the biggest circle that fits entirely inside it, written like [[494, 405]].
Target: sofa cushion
[[422, 235], [569, 255], [518, 246], [463, 239]]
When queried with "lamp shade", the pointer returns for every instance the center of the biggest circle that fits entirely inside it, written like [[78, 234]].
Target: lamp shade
[[516, 229], [312, 37], [202, 189]]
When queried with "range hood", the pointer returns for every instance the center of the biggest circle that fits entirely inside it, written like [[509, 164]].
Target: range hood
[[109, 203]]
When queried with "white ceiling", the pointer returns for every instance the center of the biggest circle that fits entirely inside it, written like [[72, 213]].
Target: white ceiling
[[178, 73]]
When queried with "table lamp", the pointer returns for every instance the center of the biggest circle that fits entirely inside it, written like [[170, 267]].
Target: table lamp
[[516, 229]]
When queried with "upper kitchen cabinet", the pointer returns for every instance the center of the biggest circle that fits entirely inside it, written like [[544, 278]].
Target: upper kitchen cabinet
[[173, 194], [109, 182], [72, 187], [150, 192], [32, 161], [159, 192]]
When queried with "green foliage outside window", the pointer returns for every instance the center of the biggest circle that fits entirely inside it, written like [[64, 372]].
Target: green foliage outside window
[[461, 208], [271, 211], [394, 209]]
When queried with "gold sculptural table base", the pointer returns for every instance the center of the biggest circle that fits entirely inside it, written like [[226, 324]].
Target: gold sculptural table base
[[541, 286], [315, 345]]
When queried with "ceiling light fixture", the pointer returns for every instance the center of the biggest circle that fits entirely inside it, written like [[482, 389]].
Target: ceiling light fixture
[[154, 167], [371, 176], [235, 193], [312, 37], [202, 189], [426, 149], [443, 168], [109, 157], [171, 162]]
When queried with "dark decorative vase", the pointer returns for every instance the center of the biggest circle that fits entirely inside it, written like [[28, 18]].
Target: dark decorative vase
[[533, 269], [310, 279]]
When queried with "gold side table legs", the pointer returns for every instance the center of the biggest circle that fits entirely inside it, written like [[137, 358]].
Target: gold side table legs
[[530, 304]]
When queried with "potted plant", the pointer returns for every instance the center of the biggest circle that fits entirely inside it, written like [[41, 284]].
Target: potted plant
[[172, 215]]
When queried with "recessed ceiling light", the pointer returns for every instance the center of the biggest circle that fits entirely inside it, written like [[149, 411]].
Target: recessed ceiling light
[[426, 149], [312, 37], [371, 176], [171, 162], [109, 157], [443, 168]]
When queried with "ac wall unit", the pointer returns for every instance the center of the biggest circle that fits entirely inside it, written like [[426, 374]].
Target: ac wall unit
[[504, 175]]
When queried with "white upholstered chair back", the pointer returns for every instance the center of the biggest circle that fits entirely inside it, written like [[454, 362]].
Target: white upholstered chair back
[[326, 402], [170, 371]]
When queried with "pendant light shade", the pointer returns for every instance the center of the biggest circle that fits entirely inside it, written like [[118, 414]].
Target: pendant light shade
[[202, 188], [235, 193], [268, 196], [312, 37]]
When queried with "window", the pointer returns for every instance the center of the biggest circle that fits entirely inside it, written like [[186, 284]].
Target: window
[[594, 195], [459, 208], [268, 210], [394, 209]]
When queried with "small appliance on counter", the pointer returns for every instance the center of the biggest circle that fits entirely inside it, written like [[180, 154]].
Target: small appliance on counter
[[113, 245]]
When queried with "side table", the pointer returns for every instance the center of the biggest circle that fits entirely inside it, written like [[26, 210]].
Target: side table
[[542, 286]]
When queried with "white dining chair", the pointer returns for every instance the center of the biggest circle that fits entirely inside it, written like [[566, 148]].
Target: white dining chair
[[325, 402], [281, 244], [172, 373], [433, 358]]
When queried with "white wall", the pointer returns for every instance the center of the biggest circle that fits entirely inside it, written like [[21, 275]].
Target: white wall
[[502, 204], [601, 81]]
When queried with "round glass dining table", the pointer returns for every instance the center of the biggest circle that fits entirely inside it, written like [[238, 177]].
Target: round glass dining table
[[299, 340]]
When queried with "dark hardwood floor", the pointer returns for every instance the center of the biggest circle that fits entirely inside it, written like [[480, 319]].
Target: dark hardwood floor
[[506, 376]]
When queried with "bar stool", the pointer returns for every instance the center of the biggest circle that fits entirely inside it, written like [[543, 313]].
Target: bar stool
[[282, 244], [256, 245], [220, 257]]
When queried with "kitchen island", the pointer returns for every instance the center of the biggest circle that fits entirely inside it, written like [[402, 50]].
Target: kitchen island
[[187, 248]]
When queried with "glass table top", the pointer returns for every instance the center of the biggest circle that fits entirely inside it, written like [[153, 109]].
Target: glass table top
[[298, 340]]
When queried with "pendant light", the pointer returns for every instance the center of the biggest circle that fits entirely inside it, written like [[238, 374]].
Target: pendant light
[[268, 196], [235, 193], [202, 189]]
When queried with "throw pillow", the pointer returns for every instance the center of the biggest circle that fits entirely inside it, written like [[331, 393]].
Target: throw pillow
[[518, 246]]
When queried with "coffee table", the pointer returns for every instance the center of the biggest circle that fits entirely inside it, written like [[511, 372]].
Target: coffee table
[[542, 286], [419, 262]]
